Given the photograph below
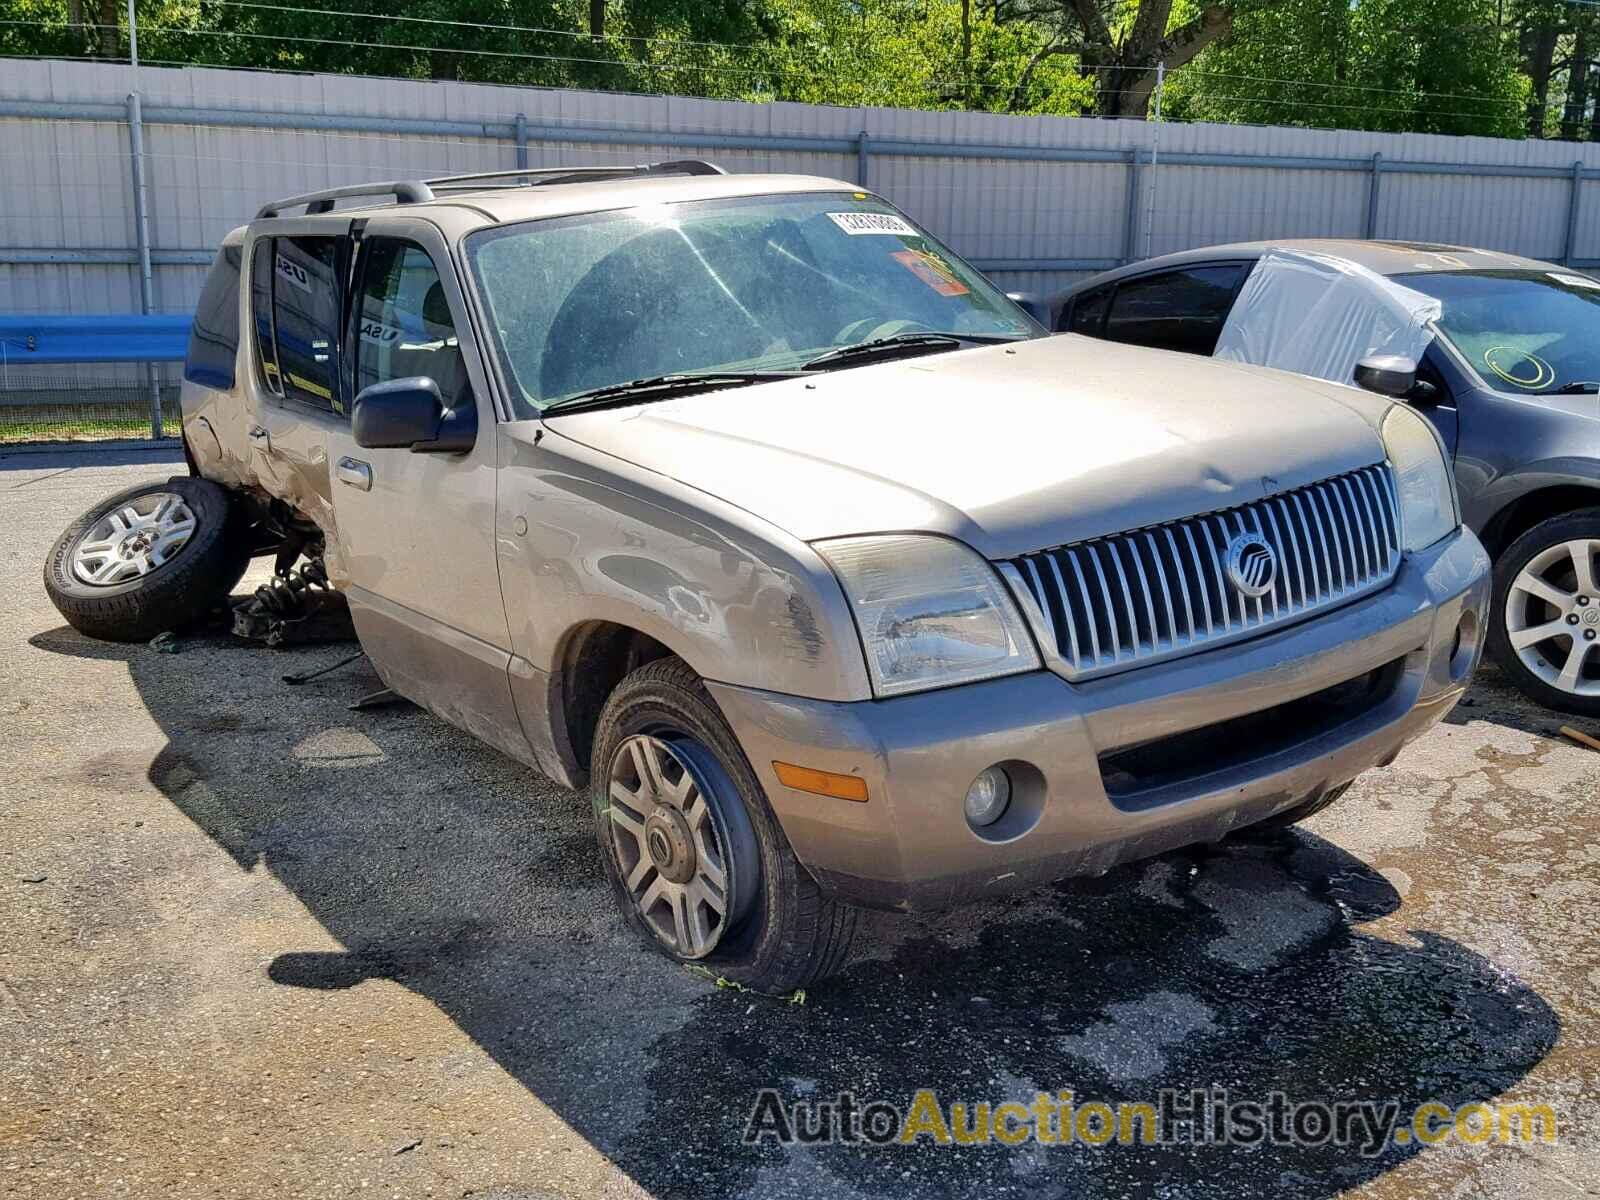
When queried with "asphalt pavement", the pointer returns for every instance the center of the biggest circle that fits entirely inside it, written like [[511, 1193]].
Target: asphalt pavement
[[253, 943]]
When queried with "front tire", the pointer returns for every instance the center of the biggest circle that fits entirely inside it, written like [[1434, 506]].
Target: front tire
[[148, 559], [699, 864], [1545, 625]]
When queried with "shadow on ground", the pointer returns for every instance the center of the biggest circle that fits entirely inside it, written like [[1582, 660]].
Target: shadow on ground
[[420, 852], [68, 456]]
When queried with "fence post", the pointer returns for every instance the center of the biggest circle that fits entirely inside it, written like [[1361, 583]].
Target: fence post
[[522, 142], [141, 233], [863, 158], [1372, 195], [1130, 233], [1155, 157], [1571, 249]]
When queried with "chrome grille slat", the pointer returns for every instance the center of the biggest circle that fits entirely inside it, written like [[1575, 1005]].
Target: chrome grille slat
[[1166, 592], [1117, 601], [1083, 590], [1183, 582]]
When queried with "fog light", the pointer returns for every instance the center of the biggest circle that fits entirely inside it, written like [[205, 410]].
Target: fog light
[[988, 796]]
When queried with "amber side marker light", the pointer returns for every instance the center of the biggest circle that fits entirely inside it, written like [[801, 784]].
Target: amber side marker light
[[821, 783]]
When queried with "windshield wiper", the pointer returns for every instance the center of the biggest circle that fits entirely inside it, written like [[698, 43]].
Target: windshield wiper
[[662, 387], [1578, 387], [897, 344]]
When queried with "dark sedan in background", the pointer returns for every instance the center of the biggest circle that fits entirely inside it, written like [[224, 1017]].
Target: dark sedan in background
[[1501, 353]]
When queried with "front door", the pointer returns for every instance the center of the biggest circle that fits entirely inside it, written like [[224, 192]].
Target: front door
[[418, 528]]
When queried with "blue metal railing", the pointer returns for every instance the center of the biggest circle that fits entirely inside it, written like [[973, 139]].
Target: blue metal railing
[[100, 338]]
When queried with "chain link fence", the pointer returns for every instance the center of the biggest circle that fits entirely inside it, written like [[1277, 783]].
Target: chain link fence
[[88, 403]]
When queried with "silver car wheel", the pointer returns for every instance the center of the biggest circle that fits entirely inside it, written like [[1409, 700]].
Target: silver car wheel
[[670, 832], [1553, 616], [141, 536]]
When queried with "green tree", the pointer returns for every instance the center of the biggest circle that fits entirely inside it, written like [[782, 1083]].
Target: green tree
[[1428, 66]]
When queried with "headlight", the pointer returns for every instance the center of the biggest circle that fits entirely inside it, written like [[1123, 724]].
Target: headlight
[[930, 610], [1427, 489]]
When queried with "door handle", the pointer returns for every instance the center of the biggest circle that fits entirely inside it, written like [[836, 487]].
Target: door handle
[[354, 472]]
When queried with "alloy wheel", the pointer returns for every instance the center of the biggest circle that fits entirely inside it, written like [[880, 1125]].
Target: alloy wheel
[[134, 539], [1553, 616], [685, 855]]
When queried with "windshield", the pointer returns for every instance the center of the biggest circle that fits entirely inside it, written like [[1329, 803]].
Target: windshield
[[760, 283], [1527, 332]]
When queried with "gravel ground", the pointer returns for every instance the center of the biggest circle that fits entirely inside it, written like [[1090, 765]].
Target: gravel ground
[[253, 943]]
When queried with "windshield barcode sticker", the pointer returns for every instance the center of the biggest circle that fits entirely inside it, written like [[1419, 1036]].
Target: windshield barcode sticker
[[855, 223]]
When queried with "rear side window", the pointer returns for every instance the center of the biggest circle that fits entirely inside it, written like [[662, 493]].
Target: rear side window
[[1088, 313], [295, 301], [1175, 310], [214, 336], [261, 316]]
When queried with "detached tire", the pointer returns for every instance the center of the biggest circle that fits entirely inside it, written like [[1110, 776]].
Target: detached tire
[[699, 864], [1544, 624], [146, 560]]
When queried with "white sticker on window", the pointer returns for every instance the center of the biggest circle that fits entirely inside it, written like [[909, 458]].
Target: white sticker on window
[[1582, 281], [294, 273], [379, 334], [870, 222]]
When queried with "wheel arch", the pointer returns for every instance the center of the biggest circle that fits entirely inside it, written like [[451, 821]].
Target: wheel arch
[[592, 658], [1533, 507]]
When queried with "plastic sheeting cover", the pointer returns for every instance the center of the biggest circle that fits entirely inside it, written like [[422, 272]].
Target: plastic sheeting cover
[[1320, 316]]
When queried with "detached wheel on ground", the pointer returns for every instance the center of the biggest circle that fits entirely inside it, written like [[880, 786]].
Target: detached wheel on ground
[[155, 557], [698, 861], [1545, 623]]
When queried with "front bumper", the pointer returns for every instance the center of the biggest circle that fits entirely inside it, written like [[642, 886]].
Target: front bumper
[[909, 845]]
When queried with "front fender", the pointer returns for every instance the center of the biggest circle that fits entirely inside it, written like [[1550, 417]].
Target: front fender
[[584, 537]]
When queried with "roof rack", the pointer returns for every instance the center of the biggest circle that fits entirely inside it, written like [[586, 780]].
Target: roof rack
[[420, 191], [404, 191], [543, 176]]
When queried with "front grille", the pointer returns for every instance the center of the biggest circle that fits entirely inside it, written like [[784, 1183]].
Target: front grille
[[1119, 601]]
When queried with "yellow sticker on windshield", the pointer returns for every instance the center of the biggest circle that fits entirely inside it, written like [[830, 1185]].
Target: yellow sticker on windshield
[[1519, 367]]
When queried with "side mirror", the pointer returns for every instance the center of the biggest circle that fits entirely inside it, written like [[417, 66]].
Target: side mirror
[[409, 414], [1035, 305], [1387, 374]]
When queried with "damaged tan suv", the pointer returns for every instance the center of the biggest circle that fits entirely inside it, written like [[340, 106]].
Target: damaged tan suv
[[745, 503]]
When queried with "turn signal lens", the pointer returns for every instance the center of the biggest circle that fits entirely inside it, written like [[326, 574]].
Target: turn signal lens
[[821, 783]]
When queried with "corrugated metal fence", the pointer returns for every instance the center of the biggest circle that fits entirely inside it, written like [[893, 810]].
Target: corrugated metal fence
[[1034, 201]]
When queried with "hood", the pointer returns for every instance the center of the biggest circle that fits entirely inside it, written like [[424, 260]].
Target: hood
[[1008, 448]]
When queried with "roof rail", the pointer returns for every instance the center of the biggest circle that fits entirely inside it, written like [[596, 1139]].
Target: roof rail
[[420, 191], [540, 176], [404, 191]]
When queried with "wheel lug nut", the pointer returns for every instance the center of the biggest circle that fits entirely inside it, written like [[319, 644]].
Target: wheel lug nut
[[1583, 601], [1572, 618], [1588, 635]]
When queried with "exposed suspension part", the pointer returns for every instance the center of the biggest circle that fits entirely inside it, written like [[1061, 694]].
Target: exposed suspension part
[[285, 609]]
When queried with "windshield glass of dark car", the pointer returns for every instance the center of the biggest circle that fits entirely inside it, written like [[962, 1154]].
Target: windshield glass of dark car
[[761, 283], [1527, 332]]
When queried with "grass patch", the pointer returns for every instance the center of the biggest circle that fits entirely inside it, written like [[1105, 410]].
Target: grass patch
[[23, 425]]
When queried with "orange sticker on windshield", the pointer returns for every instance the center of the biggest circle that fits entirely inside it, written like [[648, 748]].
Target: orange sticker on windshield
[[932, 270]]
